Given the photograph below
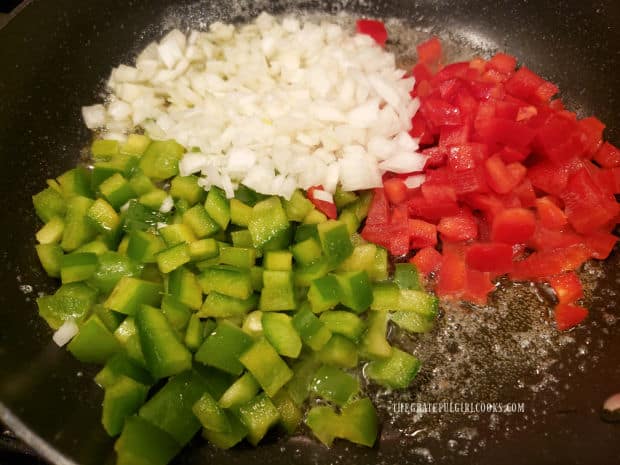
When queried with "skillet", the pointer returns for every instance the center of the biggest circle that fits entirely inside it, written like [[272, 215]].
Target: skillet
[[54, 58]]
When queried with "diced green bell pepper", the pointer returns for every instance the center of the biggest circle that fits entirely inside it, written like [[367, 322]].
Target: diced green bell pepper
[[200, 222], [359, 422], [406, 276], [218, 207], [49, 203], [334, 385], [269, 225], [120, 366], [258, 415], [355, 291], [223, 347], [203, 249], [279, 331], [173, 257], [103, 216], [176, 312], [227, 280], [144, 246], [227, 440], [240, 392], [184, 286], [335, 241], [339, 351], [262, 360], [374, 343], [104, 148], [297, 207], [195, 333], [324, 293], [51, 232], [130, 293], [70, 302], [187, 188], [240, 213], [121, 400], [290, 414], [78, 229], [240, 257], [161, 160], [218, 305], [111, 267], [75, 182], [142, 443], [210, 415], [306, 252], [347, 324], [116, 190], [324, 423], [77, 267], [94, 343], [136, 144], [278, 293], [397, 371], [304, 370], [313, 333], [278, 260], [50, 256]]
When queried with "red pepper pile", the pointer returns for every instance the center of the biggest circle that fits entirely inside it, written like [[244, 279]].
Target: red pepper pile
[[515, 184]]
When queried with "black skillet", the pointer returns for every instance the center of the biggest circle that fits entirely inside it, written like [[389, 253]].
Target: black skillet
[[54, 57]]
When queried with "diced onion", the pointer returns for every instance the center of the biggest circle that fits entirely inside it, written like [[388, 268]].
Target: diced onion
[[65, 333], [415, 181], [166, 205], [319, 194]]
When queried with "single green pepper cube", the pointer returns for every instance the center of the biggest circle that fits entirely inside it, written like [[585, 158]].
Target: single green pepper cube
[[278, 260], [187, 188], [241, 238], [227, 440], [355, 291], [130, 293], [102, 170], [262, 360], [104, 148], [51, 232], [315, 217], [343, 198], [195, 333], [96, 247], [210, 415], [94, 343], [163, 353], [71, 301], [258, 416], [200, 222], [290, 414], [140, 217], [240, 213], [313, 333], [406, 276], [120, 366], [253, 324], [324, 293], [144, 246], [78, 229], [218, 305], [279, 331], [349, 218], [347, 324], [361, 206], [141, 183], [75, 182], [297, 207], [339, 351], [240, 257], [50, 256], [362, 258], [306, 231], [269, 225], [183, 285], [306, 252], [374, 345], [227, 280], [256, 273], [324, 424], [176, 312], [109, 318], [413, 322], [153, 199], [217, 380], [116, 190], [335, 241], [161, 159], [170, 409], [397, 371], [173, 257], [304, 370], [136, 144], [223, 347], [127, 335], [277, 298], [218, 207], [334, 385], [142, 443], [385, 296], [174, 234], [240, 392], [77, 267], [418, 301], [359, 422], [380, 268], [120, 401], [203, 249], [103, 216], [49, 203], [305, 276]]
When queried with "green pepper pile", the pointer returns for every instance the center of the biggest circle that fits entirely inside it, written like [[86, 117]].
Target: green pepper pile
[[248, 308]]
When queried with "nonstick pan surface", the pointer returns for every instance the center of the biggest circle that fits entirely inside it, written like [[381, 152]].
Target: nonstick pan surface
[[55, 57]]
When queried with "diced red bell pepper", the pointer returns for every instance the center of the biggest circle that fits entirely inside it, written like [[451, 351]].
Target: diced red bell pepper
[[541, 265], [551, 177], [525, 193], [502, 62], [395, 190], [466, 156], [527, 85], [461, 227], [454, 135], [452, 275], [449, 88], [436, 156], [420, 130], [394, 237], [373, 28], [451, 71], [560, 138], [436, 193], [551, 216], [494, 257], [601, 244], [328, 208], [513, 226], [469, 181], [430, 52], [478, 286], [422, 234], [511, 154], [419, 207], [567, 287], [567, 316], [608, 156], [547, 239], [427, 260], [586, 206], [439, 113], [490, 205], [505, 132], [499, 177], [379, 211], [592, 129]]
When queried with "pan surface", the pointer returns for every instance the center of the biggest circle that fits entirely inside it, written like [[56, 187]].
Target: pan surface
[[55, 57]]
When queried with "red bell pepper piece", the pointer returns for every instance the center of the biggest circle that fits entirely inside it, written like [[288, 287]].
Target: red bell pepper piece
[[478, 286], [499, 177], [461, 227], [373, 28], [592, 129], [427, 260], [493, 256], [440, 113], [379, 211], [527, 85], [601, 244], [503, 63], [422, 234], [547, 239], [452, 275], [567, 287], [466, 156], [513, 226], [420, 130], [328, 208], [437, 193], [568, 316], [395, 190], [419, 207], [608, 156], [469, 181], [541, 265], [551, 216], [430, 52], [454, 135]]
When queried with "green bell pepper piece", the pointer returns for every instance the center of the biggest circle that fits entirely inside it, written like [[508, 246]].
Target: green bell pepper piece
[[51, 232], [324, 293], [50, 256], [187, 188], [112, 266], [397, 371], [339, 351], [210, 415], [120, 366], [335, 241], [77, 267], [223, 347], [121, 400], [94, 343], [313, 333], [279, 331], [227, 440], [333, 384], [161, 160], [347, 324], [262, 360], [227, 280], [183, 285], [218, 305], [355, 291], [70, 302], [48, 204], [142, 443], [258, 415], [269, 225], [130, 293], [218, 207]]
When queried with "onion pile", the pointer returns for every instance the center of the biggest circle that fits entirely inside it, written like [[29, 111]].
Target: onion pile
[[275, 105]]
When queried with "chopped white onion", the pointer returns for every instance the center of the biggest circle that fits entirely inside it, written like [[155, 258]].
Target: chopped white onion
[[166, 205], [415, 180], [319, 194], [94, 116], [65, 333]]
